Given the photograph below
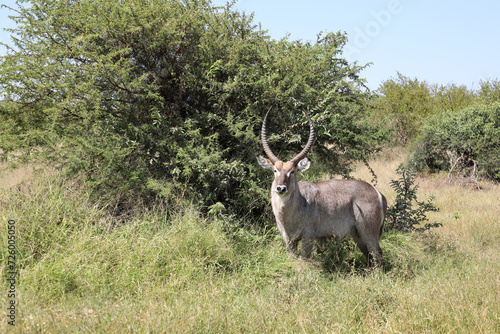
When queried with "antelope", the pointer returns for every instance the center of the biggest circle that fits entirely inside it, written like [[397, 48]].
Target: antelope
[[306, 211]]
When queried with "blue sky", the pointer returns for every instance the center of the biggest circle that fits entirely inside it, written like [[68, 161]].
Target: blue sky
[[439, 41]]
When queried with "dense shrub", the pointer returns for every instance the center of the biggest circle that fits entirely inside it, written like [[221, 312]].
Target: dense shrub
[[466, 142], [151, 98]]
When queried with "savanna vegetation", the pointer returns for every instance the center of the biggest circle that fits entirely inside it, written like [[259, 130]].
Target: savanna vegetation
[[450, 128], [183, 271], [405, 103], [128, 135]]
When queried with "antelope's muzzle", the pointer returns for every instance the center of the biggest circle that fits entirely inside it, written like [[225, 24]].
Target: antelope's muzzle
[[281, 190]]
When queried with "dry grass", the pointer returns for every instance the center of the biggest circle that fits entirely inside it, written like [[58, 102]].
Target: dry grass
[[466, 213], [384, 167], [10, 178]]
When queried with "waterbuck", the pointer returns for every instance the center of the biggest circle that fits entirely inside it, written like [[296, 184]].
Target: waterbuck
[[328, 209]]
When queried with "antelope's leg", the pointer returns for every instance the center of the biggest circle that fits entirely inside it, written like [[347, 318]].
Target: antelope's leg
[[292, 246], [307, 245], [375, 255]]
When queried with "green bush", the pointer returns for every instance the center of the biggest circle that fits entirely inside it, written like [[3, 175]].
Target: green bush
[[166, 98], [466, 143], [489, 91], [407, 213], [405, 103]]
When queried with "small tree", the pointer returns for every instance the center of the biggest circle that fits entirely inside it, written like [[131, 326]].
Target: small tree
[[404, 104], [407, 213], [489, 91]]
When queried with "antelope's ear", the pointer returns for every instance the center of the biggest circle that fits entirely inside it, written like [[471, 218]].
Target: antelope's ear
[[303, 165], [264, 163]]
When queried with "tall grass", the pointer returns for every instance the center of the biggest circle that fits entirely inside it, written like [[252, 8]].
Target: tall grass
[[181, 272]]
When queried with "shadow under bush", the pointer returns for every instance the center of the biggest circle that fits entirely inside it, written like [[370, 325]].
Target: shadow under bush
[[405, 255], [340, 257]]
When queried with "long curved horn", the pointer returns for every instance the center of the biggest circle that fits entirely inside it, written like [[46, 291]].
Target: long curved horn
[[265, 145], [306, 149]]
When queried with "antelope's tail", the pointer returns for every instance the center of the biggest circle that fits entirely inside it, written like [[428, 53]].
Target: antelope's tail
[[383, 210]]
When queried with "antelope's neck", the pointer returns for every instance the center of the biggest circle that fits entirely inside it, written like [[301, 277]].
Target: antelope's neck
[[286, 209]]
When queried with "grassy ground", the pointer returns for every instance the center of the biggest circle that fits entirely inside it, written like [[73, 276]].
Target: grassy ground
[[193, 274]]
